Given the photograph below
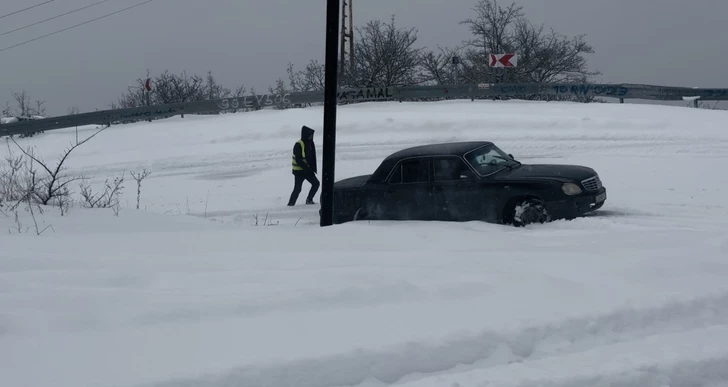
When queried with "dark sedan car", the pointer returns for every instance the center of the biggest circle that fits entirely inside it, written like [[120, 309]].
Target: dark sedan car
[[466, 181]]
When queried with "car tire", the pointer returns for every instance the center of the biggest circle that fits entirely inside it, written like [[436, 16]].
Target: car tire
[[529, 211]]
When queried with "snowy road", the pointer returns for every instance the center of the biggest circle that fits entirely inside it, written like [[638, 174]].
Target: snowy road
[[635, 295]]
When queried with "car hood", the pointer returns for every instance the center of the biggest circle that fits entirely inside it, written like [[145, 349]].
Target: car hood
[[557, 172]]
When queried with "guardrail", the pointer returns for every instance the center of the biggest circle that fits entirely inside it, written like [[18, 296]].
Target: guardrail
[[470, 91]]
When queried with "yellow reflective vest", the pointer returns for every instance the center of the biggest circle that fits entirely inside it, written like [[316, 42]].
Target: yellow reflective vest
[[297, 167]]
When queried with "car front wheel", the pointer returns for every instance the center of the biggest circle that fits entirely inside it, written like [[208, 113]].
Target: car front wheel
[[529, 211]]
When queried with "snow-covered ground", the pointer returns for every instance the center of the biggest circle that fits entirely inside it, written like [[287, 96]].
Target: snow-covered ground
[[635, 295]]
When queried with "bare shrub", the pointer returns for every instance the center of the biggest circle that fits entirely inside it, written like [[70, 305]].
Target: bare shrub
[[38, 231], [108, 198], [27, 183], [138, 178], [50, 186], [10, 176], [266, 222]]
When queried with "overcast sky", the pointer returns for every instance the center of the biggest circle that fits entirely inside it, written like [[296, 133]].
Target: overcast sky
[[671, 42]]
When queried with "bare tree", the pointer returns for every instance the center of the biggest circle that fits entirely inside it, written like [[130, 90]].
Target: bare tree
[[438, 68], [136, 95], [385, 56], [309, 79], [490, 26], [546, 57], [214, 90], [7, 110], [172, 88], [39, 109], [239, 91], [23, 104], [543, 56], [279, 90]]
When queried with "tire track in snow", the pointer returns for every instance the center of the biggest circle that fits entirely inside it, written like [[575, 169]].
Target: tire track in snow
[[697, 357], [704, 373], [487, 349]]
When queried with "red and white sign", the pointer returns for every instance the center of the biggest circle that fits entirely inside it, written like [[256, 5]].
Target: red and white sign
[[503, 60]]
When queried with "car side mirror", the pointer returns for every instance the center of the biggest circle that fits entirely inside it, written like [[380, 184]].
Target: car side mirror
[[511, 156]]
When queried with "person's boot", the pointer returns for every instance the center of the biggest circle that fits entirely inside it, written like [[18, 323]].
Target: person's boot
[[309, 201]]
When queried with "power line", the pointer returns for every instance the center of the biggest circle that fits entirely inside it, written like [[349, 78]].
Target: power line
[[77, 25], [25, 9], [54, 17]]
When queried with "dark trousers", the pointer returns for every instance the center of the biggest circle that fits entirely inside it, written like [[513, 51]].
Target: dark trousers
[[299, 177]]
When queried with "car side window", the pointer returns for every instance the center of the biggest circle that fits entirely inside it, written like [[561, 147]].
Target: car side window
[[411, 171], [451, 169]]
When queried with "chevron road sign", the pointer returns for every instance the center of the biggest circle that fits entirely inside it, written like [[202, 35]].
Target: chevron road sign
[[503, 60]]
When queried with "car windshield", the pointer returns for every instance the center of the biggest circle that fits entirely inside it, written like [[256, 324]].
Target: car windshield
[[489, 159]]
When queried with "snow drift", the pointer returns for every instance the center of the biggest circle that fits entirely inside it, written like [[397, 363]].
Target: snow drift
[[215, 282]]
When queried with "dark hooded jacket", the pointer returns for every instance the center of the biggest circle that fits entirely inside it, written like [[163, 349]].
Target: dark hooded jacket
[[306, 133]]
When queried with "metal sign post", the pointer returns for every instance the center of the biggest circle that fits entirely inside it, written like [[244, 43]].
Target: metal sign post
[[330, 101], [503, 61], [455, 62]]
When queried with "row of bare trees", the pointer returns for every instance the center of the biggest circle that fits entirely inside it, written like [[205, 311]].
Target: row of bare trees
[[166, 88], [386, 55], [24, 106], [169, 88]]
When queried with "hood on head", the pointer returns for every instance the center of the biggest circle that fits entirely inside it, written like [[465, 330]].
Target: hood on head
[[306, 132]]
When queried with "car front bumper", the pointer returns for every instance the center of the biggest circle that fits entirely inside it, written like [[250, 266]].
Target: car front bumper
[[578, 205]]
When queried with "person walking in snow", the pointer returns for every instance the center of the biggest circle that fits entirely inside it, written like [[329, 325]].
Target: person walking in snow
[[304, 166]]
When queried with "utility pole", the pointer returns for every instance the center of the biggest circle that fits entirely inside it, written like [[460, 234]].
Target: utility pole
[[330, 90], [351, 35], [346, 33]]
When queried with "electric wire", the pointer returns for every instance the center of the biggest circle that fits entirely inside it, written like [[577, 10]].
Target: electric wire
[[25, 9], [77, 25], [54, 17]]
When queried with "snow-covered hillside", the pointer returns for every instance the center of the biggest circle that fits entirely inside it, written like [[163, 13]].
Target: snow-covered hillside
[[635, 295]]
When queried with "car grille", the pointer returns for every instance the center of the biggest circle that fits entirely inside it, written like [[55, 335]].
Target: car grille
[[592, 183]]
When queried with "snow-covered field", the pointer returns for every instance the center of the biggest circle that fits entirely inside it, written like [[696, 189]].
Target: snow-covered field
[[191, 290]]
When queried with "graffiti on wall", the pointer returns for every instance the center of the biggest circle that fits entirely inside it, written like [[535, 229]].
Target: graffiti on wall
[[714, 93], [585, 89], [513, 89], [253, 101], [364, 94], [148, 114], [581, 89]]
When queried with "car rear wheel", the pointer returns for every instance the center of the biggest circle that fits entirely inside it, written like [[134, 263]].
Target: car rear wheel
[[529, 211]]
